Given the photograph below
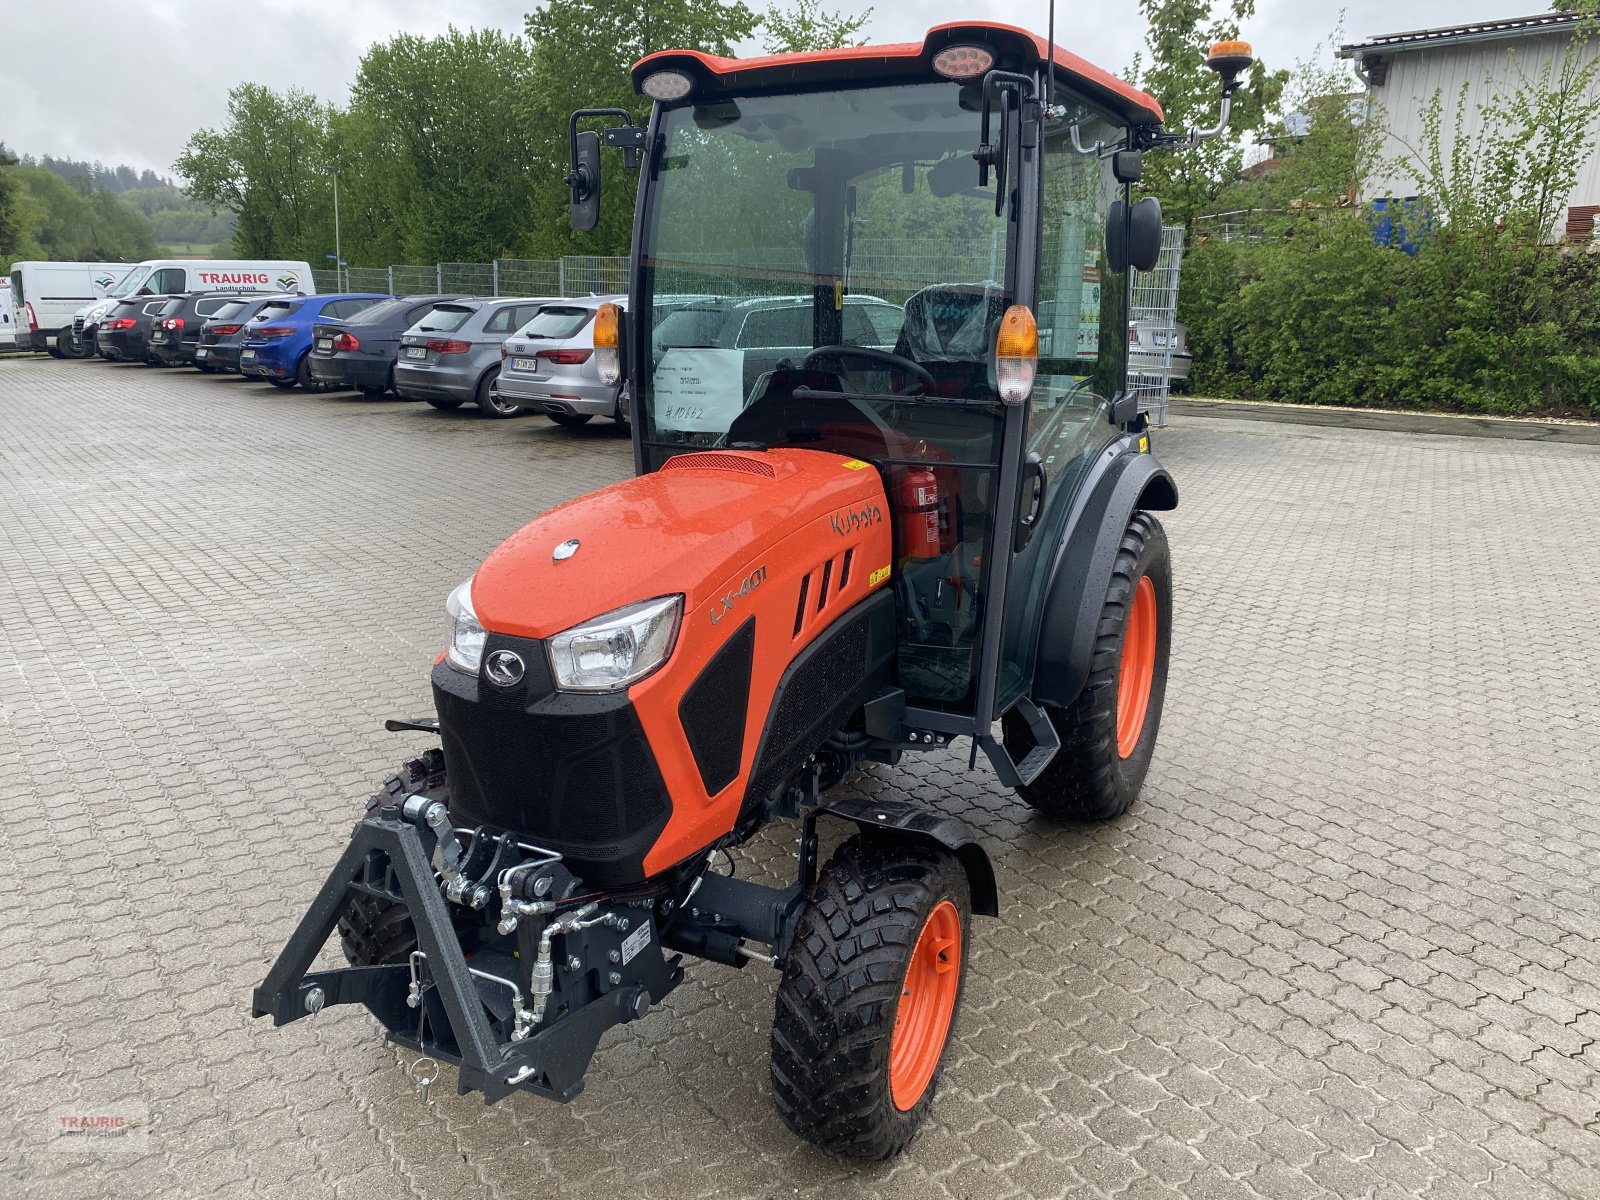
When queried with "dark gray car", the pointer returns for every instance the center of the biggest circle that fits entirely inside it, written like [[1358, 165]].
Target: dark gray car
[[452, 355], [360, 351]]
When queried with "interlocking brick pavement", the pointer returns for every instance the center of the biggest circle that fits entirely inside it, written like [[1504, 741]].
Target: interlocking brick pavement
[[1345, 945]]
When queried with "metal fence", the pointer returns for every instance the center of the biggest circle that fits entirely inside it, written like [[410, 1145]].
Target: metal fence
[[1155, 309], [891, 275], [576, 275]]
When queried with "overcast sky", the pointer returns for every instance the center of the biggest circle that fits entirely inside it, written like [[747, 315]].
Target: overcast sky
[[130, 80]]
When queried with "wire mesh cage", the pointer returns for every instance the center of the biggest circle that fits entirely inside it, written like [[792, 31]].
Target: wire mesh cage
[[1153, 335]]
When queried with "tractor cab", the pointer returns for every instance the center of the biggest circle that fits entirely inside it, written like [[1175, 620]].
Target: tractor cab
[[915, 258]]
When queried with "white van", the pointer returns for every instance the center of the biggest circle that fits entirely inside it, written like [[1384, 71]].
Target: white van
[[174, 276], [8, 324], [45, 297]]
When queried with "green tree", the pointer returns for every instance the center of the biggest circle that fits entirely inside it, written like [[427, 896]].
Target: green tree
[[14, 218], [268, 164], [1181, 32], [76, 222], [434, 124], [582, 50], [808, 26]]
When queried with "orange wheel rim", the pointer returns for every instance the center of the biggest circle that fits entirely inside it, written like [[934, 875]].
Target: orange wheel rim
[[927, 1004], [1138, 670]]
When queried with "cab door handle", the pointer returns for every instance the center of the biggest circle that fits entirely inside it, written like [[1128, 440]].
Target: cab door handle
[[1031, 505]]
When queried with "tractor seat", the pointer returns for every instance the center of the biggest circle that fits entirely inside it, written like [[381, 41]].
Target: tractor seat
[[949, 330], [774, 417]]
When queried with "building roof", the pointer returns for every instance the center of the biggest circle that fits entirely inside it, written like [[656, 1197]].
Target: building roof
[[1478, 31]]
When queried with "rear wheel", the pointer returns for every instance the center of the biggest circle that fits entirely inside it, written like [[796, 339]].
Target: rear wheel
[[374, 932], [444, 405], [1108, 735], [489, 400], [302, 375], [870, 994], [570, 420]]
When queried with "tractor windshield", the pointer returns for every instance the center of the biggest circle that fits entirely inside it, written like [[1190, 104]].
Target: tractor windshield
[[789, 224], [825, 269]]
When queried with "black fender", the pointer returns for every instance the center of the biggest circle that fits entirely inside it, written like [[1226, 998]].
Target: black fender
[[902, 818], [1128, 481]]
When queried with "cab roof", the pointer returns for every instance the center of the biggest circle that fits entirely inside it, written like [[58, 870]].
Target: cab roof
[[1015, 49]]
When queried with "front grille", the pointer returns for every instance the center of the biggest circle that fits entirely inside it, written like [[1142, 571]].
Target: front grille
[[77, 326], [574, 773]]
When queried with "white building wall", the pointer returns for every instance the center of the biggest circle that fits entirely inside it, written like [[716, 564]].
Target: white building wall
[[1415, 76]]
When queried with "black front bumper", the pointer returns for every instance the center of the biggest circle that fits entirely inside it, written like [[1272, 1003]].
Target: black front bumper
[[570, 771]]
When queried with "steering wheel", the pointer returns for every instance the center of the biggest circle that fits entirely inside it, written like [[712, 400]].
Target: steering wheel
[[872, 354]]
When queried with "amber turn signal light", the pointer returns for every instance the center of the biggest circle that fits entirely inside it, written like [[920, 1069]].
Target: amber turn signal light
[[1016, 354], [607, 343]]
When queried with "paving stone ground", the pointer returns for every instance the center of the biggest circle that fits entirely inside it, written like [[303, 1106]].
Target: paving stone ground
[[1346, 944]]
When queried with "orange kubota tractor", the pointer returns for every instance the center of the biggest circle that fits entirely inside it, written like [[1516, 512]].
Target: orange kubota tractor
[[891, 491]]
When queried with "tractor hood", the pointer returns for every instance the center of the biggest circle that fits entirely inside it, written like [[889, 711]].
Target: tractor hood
[[684, 529]]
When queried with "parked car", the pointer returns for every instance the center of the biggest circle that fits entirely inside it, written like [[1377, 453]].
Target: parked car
[[218, 348], [174, 276], [549, 365], [360, 351], [175, 333], [770, 329], [124, 334], [277, 341], [1147, 348], [452, 355]]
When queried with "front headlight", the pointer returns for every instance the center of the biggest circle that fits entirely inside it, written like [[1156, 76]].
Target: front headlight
[[618, 649], [467, 637]]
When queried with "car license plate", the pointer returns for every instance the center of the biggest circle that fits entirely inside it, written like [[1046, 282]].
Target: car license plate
[[246, 355], [416, 352], [324, 345], [1160, 339], [524, 364], [202, 352]]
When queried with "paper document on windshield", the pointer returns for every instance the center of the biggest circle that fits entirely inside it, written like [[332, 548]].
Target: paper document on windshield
[[699, 391]]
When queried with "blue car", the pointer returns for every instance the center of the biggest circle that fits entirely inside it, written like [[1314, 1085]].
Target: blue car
[[277, 340]]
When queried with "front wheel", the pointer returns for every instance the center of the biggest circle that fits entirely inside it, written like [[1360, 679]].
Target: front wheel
[[870, 994], [1108, 734], [374, 932]]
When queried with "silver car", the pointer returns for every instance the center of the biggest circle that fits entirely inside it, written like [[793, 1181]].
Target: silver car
[[1148, 349], [549, 364], [452, 354]]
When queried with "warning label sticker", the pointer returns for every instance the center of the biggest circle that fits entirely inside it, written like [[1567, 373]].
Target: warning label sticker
[[636, 941]]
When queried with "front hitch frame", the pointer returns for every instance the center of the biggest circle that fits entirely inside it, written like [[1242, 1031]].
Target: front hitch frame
[[388, 858]]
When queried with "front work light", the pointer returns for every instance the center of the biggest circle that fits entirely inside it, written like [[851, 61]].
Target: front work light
[[1016, 354], [963, 62], [607, 354], [666, 85], [617, 649], [467, 637]]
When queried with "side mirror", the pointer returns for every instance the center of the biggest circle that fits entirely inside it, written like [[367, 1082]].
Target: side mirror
[[1144, 235], [1133, 239], [583, 181]]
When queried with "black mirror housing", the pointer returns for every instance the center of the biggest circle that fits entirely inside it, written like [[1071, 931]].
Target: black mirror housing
[[583, 181], [1144, 234]]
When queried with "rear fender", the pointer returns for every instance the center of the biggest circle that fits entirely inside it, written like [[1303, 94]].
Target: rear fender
[[1082, 570], [901, 818]]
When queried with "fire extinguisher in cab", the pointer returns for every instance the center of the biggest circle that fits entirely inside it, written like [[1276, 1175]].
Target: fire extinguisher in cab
[[917, 500]]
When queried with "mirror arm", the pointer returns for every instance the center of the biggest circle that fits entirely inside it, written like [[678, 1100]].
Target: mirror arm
[[575, 178]]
